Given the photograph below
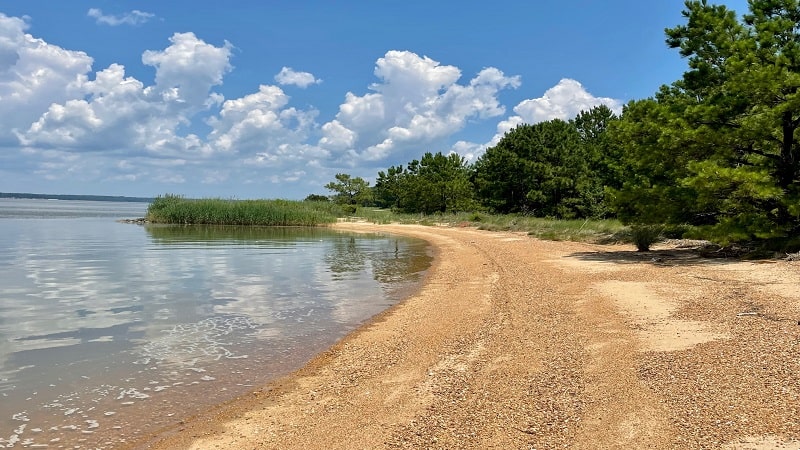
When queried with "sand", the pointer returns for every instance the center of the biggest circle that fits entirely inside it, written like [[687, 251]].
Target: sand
[[518, 343]]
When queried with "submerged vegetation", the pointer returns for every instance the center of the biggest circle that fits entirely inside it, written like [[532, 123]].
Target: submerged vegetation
[[176, 209]]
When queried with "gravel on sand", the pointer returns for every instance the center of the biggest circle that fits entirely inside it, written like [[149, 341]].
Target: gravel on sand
[[514, 342]]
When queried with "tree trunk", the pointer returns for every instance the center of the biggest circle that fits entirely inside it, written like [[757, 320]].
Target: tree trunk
[[787, 169]]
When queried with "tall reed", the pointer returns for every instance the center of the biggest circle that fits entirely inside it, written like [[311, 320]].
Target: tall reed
[[176, 209], [215, 211]]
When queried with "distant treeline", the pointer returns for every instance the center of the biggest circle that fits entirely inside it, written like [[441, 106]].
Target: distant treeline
[[88, 198]]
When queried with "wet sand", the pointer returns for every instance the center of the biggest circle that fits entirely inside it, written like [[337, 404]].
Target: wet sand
[[513, 342]]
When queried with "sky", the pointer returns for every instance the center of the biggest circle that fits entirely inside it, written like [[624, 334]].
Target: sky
[[271, 99]]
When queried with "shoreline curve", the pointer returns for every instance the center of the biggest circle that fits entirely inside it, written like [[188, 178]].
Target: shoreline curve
[[513, 342]]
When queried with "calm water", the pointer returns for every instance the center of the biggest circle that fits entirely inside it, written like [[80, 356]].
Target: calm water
[[108, 330]]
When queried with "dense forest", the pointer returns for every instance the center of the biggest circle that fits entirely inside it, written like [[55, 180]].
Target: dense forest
[[714, 154]]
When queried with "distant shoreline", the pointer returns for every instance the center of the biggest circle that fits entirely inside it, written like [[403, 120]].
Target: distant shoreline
[[91, 198]]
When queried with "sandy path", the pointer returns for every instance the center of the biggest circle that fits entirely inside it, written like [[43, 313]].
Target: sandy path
[[519, 343]]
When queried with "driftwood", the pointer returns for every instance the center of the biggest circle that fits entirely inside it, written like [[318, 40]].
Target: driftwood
[[792, 257]]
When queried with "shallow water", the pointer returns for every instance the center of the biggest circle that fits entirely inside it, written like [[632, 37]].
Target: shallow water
[[109, 330]]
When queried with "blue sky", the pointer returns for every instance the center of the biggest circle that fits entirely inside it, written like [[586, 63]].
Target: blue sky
[[268, 99]]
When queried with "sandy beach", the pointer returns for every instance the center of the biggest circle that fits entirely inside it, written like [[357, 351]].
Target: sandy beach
[[518, 343]]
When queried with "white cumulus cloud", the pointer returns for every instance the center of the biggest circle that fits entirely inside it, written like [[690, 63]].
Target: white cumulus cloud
[[563, 101], [417, 101], [34, 75], [288, 76], [134, 17], [96, 123], [76, 124], [188, 68], [263, 130], [120, 113], [60, 118]]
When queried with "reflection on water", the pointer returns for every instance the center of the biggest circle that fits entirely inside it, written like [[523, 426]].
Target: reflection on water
[[106, 328]]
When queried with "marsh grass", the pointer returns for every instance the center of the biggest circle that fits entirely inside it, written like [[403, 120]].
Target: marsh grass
[[596, 231], [175, 209]]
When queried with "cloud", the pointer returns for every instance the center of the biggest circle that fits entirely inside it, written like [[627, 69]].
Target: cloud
[[116, 127], [116, 114], [263, 130], [188, 68], [563, 101], [417, 101], [288, 76], [34, 75], [63, 120], [469, 150], [134, 17]]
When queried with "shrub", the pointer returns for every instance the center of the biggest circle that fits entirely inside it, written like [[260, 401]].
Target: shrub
[[316, 198], [643, 236]]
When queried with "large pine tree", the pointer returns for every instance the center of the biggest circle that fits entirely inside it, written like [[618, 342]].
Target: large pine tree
[[719, 147]]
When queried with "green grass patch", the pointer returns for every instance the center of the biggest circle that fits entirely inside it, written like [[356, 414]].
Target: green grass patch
[[596, 231], [176, 209]]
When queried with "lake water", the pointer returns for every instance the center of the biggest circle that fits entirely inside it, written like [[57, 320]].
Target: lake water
[[110, 330]]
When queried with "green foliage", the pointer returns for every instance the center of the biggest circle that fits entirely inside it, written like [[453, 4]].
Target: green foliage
[[716, 154], [643, 236], [602, 155], [654, 158], [316, 198], [390, 187], [587, 230], [379, 215], [438, 183], [213, 211], [719, 148], [350, 191], [540, 170], [435, 183]]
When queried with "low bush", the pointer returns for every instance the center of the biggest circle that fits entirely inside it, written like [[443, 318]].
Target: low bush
[[643, 236]]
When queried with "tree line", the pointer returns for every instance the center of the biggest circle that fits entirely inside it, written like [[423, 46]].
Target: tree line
[[715, 151]]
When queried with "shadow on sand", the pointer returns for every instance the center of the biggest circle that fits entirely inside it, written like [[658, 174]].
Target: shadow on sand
[[658, 257]]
